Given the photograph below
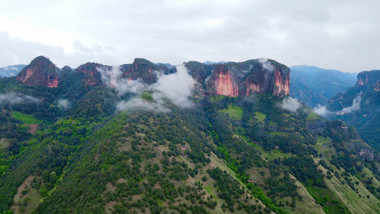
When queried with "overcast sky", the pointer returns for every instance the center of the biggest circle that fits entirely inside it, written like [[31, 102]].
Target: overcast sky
[[338, 34]]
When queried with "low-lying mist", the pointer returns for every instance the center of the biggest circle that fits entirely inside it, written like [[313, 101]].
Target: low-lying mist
[[324, 112], [290, 104], [16, 98], [176, 87]]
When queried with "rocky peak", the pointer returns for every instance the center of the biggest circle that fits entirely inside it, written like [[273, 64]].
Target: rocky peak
[[369, 80], [92, 76], [141, 63], [40, 72], [140, 69], [66, 69]]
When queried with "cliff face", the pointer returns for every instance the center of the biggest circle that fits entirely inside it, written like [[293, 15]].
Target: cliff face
[[40, 72], [369, 79], [242, 79], [92, 76], [281, 83], [222, 82]]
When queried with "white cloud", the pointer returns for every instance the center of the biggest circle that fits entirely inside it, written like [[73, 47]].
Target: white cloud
[[64, 103], [267, 65], [322, 110], [292, 32], [290, 104], [112, 78], [16, 98], [177, 87], [354, 107], [137, 103], [18, 51]]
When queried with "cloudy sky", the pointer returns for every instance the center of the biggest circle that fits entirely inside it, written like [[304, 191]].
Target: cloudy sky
[[339, 34]]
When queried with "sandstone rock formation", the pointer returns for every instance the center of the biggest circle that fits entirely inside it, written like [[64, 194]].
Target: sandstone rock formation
[[40, 72]]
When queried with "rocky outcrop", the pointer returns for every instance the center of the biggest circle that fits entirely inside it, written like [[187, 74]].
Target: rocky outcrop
[[222, 82], [245, 78], [92, 76], [268, 77], [140, 69], [40, 72], [369, 80], [145, 70]]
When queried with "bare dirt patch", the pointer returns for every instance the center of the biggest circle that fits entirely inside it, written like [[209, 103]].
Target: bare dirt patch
[[26, 198], [110, 207], [32, 128]]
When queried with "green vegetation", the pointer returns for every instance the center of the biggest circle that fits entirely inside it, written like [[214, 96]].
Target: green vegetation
[[312, 116], [327, 199], [147, 95], [235, 112], [25, 118], [216, 98], [271, 155], [260, 117]]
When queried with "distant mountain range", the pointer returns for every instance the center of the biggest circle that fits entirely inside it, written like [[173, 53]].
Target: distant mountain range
[[11, 70], [313, 85], [359, 106]]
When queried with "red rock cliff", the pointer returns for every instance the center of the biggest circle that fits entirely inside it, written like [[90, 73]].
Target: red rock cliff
[[222, 82], [245, 78], [40, 72], [281, 83]]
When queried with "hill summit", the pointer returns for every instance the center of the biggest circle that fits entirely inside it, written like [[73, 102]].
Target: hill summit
[[40, 72]]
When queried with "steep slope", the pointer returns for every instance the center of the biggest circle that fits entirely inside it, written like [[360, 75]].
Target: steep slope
[[261, 152], [313, 85], [170, 162], [359, 106]]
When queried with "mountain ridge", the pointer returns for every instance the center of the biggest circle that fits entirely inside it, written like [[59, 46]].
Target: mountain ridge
[[231, 79]]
